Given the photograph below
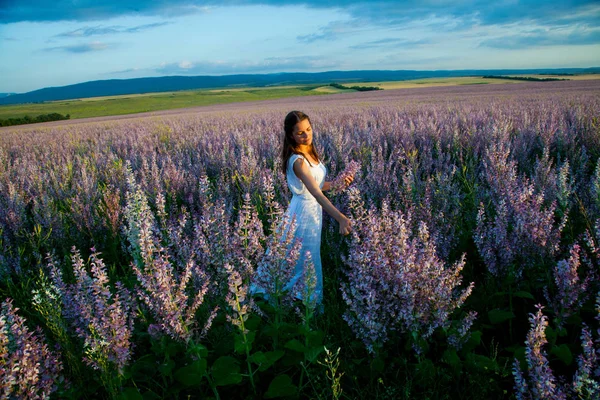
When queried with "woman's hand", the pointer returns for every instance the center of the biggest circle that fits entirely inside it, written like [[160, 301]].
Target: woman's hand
[[348, 180], [345, 226]]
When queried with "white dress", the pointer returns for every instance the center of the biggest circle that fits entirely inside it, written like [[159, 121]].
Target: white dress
[[309, 220]]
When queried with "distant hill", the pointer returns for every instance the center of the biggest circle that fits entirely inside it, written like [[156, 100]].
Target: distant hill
[[115, 87], [6, 94]]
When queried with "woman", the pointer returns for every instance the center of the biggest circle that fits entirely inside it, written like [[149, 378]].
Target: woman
[[305, 175]]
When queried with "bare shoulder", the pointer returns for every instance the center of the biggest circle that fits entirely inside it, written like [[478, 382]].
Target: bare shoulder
[[300, 167], [299, 163]]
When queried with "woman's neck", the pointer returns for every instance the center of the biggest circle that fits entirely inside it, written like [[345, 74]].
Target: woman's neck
[[304, 149]]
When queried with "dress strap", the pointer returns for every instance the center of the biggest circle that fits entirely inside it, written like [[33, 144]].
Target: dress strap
[[295, 156], [293, 159]]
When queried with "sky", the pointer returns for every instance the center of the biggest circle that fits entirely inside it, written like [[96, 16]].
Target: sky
[[57, 43]]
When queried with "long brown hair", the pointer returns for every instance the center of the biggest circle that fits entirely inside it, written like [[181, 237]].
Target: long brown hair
[[289, 144]]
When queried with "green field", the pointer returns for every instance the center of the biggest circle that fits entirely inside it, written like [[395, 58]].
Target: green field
[[129, 104], [137, 103]]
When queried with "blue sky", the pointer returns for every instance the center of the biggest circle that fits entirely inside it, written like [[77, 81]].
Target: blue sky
[[56, 43]]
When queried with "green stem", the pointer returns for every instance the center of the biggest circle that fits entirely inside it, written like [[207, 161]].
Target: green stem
[[309, 381], [164, 378], [212, 386], [206, 374], [306, 330], [277, 315], [510, 303], [243, 328]]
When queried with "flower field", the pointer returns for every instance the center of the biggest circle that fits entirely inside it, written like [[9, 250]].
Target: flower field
[[127, 248]]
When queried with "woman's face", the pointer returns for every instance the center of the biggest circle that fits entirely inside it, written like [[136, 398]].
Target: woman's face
[[303, 133]]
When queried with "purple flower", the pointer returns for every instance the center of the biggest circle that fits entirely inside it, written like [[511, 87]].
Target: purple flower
[[236, 298], [584, 383], [305, 288], [339, 184], [276, 267], [396, 282], [28, 369], [165, 293], [246, 247], [541, 381], [571, 291], [103, 319], [461, 336], [522, 228]]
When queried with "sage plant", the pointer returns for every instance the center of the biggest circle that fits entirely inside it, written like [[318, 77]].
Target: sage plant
[[521, 231], [239, 312], [338, 185], [571, 291], [28, 368], [276, 268], [395, 280], [102, 317], [540, 382], [165, 293]]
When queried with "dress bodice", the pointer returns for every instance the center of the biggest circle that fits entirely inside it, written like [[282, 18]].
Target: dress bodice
[[296, 186]]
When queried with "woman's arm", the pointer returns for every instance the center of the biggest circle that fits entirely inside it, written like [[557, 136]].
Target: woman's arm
[[327, 185], [303, 173]]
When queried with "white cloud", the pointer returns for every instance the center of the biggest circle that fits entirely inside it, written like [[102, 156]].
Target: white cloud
[[81, 48]]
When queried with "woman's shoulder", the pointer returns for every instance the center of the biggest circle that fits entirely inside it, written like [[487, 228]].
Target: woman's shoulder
[[310, 162], [293, 159]]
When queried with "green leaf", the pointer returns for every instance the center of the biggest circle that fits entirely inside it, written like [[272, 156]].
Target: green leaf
[[562, 332], [499, 316], [265, 360], [166, 367], [174, 348], [150, 395], [312, 353], [281, 386], [523, 294], [198, 350], [270, 330], [144, 368], [252, 322], [191, 375], [315, 338], [451, 358], [293, 329], [258, 358], [295, 345], [240, 346], [519, 354], [377, 365], [226, 371], [425, 371], [292, 358], [479, 362], [574, 319], [563, 353], [472, 342], [126, 373], [551, 334], [130, 393], [272, 357]]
